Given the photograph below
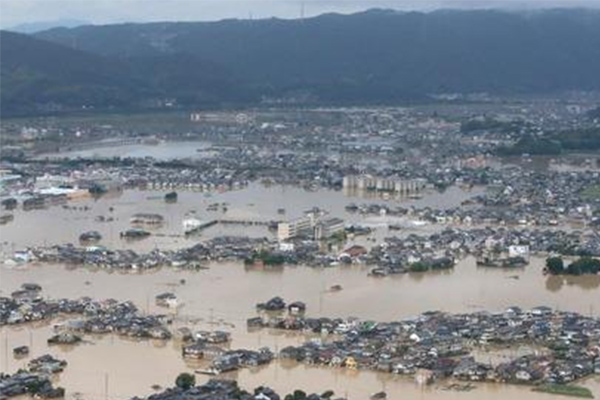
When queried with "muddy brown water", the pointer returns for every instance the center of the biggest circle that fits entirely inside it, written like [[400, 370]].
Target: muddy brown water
[[225, 295], [59, 225]]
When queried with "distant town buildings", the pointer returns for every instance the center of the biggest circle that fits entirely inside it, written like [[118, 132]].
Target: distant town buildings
[[372, 183], [218, 117]]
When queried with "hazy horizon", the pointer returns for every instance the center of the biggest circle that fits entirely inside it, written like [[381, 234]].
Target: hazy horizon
[[15, 13]]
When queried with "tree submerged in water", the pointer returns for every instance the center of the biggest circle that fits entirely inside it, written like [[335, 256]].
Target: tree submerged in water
[[555, 265], [583, 266], [185, 381], [297, 395]]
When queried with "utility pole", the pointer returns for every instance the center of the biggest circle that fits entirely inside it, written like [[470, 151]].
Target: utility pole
[[106, 386], [6, 351]]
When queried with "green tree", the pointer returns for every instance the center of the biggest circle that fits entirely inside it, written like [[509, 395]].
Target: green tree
[[555, 265], [185, 381], [299, 395], [418, 267], [585, 265]]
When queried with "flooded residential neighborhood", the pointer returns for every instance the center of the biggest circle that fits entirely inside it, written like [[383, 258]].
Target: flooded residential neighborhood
[[354, 203], [209, 254]]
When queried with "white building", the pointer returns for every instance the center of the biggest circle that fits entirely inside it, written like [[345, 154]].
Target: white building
[[293, 228], [518, 251], [397, 185], [311, 225]]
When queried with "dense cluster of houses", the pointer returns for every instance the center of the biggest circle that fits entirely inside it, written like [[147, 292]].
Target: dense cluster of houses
[[36, 380], [438, 345], [21, 383], [27, 305], [223, 360], [217, 249], [407, 144], [499, 246], [223, 389], [515, 195], [549, 194], [480, 211], [212, 345], [504, 247]]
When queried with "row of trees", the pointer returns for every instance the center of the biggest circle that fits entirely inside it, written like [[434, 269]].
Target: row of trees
[[533, 146], [582, 266], [554, 143]]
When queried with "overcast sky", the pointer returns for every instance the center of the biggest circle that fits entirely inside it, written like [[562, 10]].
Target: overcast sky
[[14, 12]]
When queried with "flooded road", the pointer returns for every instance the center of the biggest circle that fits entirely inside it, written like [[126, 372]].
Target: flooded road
[[225, 295]]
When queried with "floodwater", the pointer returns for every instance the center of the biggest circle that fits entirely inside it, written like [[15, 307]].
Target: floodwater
[[223, 296], [162, 151], [229, 291], [255, 202]]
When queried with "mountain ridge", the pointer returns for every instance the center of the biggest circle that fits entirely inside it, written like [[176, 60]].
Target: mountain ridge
[[376, 56]]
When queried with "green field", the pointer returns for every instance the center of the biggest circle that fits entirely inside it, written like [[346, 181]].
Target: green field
[[591, 193], [124, 120], [566, 390]]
